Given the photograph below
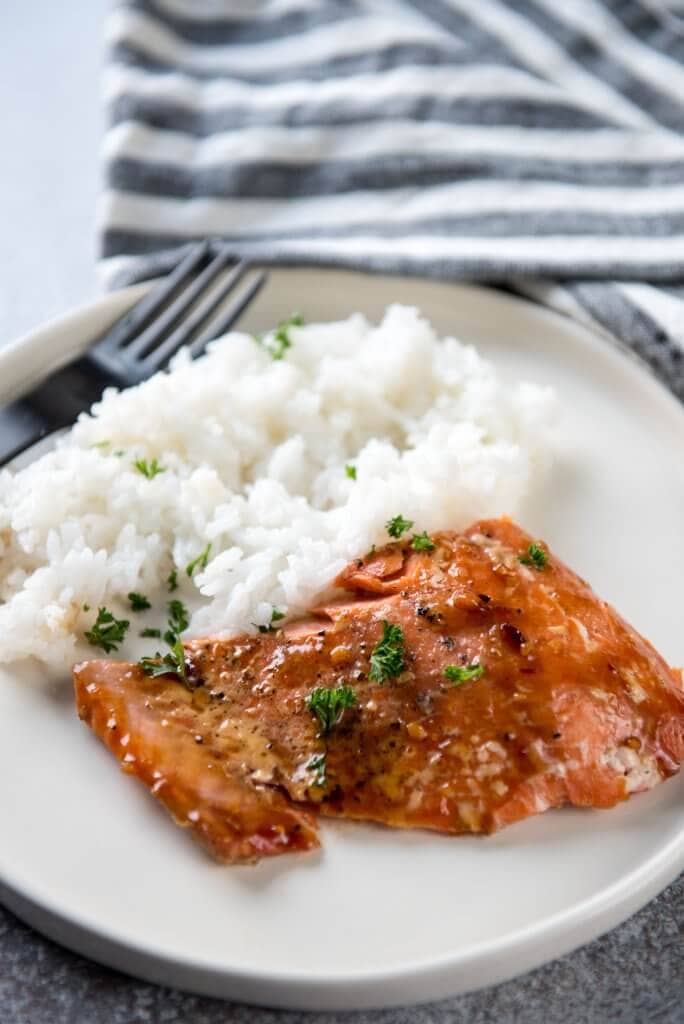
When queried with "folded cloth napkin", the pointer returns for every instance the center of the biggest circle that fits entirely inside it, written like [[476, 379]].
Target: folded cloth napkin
[[535, 143]]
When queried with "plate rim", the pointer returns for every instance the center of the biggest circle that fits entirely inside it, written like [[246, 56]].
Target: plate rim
[[579, 924]]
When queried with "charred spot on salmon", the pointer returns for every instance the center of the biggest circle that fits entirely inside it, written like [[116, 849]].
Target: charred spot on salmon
[[328, 705], [485, 598], [387, 657], [512, 635]]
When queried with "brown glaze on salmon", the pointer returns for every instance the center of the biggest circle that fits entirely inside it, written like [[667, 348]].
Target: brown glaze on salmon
[[571, 706]]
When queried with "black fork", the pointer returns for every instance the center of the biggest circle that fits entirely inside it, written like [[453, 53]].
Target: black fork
[[176, 312]]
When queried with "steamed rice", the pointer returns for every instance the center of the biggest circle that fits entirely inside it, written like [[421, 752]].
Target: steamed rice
[[254, 452]]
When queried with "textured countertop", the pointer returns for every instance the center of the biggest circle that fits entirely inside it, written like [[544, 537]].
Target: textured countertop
[[49, 180]]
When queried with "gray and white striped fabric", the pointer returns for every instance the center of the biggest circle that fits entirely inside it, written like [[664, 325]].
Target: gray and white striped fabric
[[533, 143]]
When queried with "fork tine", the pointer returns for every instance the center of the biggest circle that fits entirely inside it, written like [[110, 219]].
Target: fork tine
[[159, 356], [228, 318], [144, 311], [149, 339]]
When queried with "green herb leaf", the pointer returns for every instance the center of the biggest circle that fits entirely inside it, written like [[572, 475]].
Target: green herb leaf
[[139, 602], [398, 526], [422, 542], [458, 674], [172, 663], [151, 632], [179, 619], [535, 556], [86, 607], [279, 342], [317, 765], [172, 581], [276, 616], [107, 631], [387, 657], [350, 470], [120, 453], [328, 706], [149, 469], [101, 444], [200, 562]]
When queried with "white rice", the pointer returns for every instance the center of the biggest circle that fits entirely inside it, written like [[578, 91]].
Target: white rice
[[254, 452]]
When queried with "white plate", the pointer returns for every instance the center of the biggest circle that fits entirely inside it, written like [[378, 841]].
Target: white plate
[[379, 917]]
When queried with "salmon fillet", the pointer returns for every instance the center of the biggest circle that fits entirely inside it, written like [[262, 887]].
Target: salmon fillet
[[512, 688]]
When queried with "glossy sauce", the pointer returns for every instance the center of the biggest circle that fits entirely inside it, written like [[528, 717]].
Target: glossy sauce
[[572, 705]]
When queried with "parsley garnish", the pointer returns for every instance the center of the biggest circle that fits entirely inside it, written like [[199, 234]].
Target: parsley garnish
[[107, 631], [172, 663], [397, 526], [139, 602], [329, 705], [458, 674], [120, 453], [178, 621], [172, 581], [350, 470], [100, 444], [535, 556], [280, 341], [149, 469], [317, 765], [422, 542], [202, 561], [387, 657], [150, 631], [276, 616]]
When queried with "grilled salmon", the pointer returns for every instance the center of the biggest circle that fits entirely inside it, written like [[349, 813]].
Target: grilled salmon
[[459, 682]]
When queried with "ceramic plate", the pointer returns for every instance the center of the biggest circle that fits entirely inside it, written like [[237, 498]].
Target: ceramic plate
[[377, 917]]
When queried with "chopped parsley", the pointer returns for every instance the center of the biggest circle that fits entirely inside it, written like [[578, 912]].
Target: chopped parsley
[[276, 616], [178, 621], [279, 341], [172, 663], [86, 607], [139, 602], [100, 444], [151, 632], [398, 526], [387, 657], [458, 674], [328, 706], [120, 453], [172, 581], [422, 542], [200, 562], [107, 631], [535, 556], [350, 470], [148, 469], [317, 765]]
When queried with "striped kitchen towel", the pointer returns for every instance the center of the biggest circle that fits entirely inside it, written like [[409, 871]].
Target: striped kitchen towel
[[533, 143]]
